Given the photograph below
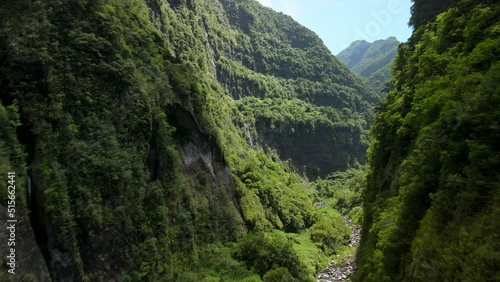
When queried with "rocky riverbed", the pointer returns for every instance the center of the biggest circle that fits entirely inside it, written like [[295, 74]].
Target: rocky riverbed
[[342, 271]]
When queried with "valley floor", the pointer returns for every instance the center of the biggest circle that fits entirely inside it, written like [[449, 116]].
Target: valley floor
[[343, 271]]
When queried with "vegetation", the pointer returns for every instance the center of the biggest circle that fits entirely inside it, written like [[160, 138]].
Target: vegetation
[[431, 204], [175, 140], [143, 165], [372, 61], [343, 190], [277, 63]]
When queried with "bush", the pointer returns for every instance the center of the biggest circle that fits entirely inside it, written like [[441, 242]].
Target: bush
[[279, 274], [330, 233], [271, 251]]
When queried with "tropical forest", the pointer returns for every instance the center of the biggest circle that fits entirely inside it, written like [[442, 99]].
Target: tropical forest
[[220, 140]]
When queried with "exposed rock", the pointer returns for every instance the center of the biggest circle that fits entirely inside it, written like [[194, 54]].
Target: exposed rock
[[346, 270]]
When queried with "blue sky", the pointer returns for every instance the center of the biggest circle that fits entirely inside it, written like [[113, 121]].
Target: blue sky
[[340, 22]]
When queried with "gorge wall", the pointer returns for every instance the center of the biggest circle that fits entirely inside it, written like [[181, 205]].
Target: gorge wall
[[431, 203], [151, 133]]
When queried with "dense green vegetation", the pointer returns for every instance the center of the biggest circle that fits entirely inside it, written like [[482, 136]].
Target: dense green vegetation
[[372, 61], [13, 159], [305, 133], [175, 140], [151, 135], [343, 190], [277, 63], [432, 201]]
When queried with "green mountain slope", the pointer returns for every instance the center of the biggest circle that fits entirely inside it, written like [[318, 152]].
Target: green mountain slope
[[432, 202], [305, 104], [155, 136], [372, 61]]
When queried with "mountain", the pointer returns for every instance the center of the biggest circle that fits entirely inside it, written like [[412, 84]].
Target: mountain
[[432, 198], [167, 140], [372, 61]]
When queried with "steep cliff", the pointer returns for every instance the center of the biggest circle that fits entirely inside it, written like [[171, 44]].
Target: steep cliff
[[153, 143], [305, 104], [432, 201], [18, 233]]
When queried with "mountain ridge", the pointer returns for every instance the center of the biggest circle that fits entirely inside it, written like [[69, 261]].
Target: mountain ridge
[[372, 61]]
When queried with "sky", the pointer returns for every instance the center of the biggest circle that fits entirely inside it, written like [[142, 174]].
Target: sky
[[340, 22]]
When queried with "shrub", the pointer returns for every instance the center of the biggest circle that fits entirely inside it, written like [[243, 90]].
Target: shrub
[[330, 233], [279, 274], [271, 251]]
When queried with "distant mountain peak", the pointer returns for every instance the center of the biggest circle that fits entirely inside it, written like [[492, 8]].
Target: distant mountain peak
[[371, 60]]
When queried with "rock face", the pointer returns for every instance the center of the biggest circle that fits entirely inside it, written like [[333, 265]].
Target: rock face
[[22, 259], [29, 261], [346, 270]]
